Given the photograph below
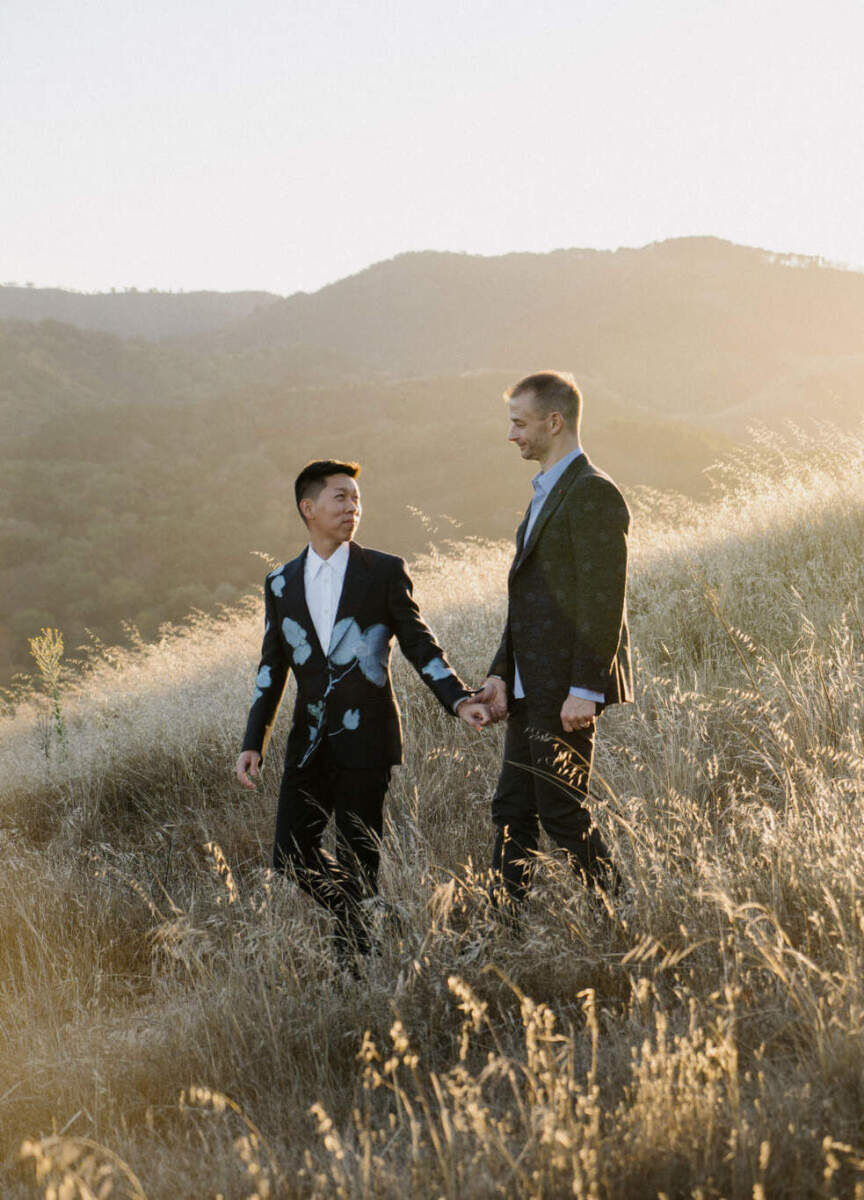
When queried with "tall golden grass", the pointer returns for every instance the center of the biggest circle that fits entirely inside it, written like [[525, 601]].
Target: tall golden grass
[[171, 1019]]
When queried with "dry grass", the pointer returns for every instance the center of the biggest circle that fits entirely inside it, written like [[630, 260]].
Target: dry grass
[[700, 1038]]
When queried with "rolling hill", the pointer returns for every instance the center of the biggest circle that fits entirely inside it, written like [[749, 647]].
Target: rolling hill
[[130, 313]]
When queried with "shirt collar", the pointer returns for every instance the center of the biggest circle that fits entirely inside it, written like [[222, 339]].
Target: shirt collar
[[544, 482], [338, 559]]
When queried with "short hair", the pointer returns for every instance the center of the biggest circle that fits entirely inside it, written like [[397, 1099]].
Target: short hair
[[313, 478], [553, 391]]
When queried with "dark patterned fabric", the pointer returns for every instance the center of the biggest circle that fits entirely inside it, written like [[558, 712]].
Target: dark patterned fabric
[[567, 613], [345, 695]]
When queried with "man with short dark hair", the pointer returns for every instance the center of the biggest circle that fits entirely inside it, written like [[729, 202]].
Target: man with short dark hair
[[565, 652], [330, 616]]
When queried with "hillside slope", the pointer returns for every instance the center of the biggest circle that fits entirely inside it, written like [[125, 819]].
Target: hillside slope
[[693, 328], [672, 1040], [145, 509], [130, 313]]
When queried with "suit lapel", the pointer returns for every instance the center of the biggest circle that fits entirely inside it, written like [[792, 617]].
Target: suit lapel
[[354, 586], [520, 539], [294, 600], [520, 532], [552, 501]]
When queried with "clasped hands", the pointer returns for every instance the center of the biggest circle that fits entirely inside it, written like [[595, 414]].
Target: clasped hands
[[486, 707], [489, 705]]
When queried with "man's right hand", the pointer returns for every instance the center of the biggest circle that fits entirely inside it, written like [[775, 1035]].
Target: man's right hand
[[493, 694], [249, 763]]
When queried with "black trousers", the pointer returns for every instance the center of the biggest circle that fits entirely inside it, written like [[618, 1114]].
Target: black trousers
[[544, 781], [355, 798]]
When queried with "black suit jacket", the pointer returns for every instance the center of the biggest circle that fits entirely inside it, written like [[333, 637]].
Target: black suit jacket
[[344, 694], [567, 613]]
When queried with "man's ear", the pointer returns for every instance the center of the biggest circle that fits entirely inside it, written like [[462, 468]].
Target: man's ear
[[557, 422], [306, 508]]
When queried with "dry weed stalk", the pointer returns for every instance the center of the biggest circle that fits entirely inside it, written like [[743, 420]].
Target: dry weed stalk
[[80, 1169]]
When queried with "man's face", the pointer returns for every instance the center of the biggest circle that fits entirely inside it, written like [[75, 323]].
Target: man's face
[[335, 512], [532, 432]]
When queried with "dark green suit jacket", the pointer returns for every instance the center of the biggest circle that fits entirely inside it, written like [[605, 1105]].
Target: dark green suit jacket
[[567, 612]]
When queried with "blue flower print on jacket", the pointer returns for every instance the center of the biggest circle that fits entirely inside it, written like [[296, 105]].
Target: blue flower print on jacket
[[262, 681], [297, 639], [277, 583], [316, 725], [316, 718], [437, 669], [350, 722], [368, 648]]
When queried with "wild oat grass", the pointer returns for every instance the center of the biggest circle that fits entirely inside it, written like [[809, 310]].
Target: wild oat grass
[[173, 1025]]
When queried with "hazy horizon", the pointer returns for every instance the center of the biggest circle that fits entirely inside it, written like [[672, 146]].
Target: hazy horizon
[[771, 251]]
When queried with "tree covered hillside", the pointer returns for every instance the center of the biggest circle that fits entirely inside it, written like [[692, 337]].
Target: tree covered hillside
[[139, 513], [130, 313]]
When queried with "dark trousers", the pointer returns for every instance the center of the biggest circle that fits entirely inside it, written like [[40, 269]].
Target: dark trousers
[[544, 781], [355, 797]]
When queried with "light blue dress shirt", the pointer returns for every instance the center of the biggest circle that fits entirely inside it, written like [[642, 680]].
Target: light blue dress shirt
[[543, 485]]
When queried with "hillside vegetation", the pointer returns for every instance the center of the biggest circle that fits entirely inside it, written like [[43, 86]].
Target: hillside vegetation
[[137, 472], [700, 1036], [130, 313], [697, 329]]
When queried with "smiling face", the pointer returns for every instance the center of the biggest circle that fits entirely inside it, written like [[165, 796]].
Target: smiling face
[[531, 431], [334, 514]]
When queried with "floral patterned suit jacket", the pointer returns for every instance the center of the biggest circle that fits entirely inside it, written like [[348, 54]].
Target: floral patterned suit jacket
[[344, 692]]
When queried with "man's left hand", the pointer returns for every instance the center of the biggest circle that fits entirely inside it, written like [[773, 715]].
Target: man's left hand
[[577, 713], [474, 714]]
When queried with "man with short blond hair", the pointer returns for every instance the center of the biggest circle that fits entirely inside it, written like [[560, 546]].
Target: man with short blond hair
[[565, 652]]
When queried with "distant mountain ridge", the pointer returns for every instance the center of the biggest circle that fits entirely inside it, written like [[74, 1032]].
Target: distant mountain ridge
[[130, 313], [696, 331], [696, 328]]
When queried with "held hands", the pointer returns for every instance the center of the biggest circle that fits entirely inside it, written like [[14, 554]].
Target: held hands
[[474, 714], [494, 694], [577, 713], [249, 763]]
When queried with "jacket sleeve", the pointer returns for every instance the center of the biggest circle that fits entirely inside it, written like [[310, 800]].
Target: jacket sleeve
[[502, 661], [595, 600], [273, 671], [417, 642]]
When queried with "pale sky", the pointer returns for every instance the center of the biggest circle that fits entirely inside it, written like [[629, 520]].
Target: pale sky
[[282, 144]]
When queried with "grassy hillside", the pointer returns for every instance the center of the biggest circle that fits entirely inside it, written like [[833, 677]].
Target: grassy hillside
[[116, 512], [700, 1037]]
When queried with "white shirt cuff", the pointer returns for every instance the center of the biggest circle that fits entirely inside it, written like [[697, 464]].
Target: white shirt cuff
[[585, 694]]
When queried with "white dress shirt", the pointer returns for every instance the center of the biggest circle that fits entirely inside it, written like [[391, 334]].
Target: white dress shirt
[[322, 580]]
